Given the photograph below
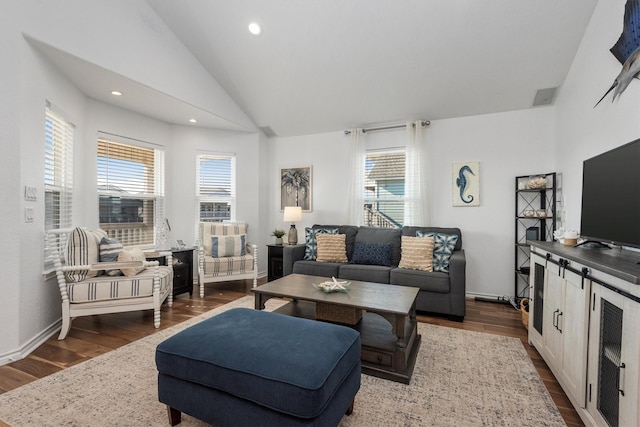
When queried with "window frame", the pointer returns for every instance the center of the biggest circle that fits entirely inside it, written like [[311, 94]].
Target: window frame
[[227, 182], [384, 220]]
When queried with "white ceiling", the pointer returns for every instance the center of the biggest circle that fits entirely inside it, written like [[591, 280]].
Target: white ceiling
[[326, 65]]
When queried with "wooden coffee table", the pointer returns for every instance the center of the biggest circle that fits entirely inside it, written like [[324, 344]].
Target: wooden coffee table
[[388, 328]]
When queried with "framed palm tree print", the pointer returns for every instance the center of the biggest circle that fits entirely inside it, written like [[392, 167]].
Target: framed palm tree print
[[295, 188]]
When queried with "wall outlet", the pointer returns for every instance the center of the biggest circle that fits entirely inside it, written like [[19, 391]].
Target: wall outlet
[[28, 214]]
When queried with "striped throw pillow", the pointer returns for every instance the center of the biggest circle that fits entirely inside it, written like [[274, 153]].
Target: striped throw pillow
[[82, 249], [228, 246], [331, 247]]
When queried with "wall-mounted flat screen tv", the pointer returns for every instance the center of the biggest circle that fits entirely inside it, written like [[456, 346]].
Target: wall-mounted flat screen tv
[[611, 197]]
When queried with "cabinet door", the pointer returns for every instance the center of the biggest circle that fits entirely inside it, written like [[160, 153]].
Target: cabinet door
[[536, 301], [573, 326], [553, 311], [613, 359]]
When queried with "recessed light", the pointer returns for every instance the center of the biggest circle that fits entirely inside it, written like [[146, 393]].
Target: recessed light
[[254, 28], [116, 93], [193, 120]]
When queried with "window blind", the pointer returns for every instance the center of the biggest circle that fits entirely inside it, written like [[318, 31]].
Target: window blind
[[58, 174], [384, 188], [216, 187], [131, 191]]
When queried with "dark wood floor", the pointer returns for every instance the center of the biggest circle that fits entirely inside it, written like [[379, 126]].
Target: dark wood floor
[[95, 335]]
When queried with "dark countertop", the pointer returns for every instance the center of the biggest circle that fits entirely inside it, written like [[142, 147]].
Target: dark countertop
[[623, 264]]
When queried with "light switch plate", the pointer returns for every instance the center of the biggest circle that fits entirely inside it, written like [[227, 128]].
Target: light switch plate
[[30, 193]]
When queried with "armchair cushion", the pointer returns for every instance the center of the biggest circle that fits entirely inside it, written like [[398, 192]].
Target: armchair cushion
[[105, 288], [82, 249], [228, 246], [209, 229], [134, 254], [228, 265]]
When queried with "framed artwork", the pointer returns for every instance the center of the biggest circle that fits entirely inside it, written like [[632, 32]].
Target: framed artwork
[[466, 184], [295, 188]]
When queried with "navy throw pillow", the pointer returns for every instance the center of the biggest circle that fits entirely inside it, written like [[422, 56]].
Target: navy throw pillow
[[372, 254]]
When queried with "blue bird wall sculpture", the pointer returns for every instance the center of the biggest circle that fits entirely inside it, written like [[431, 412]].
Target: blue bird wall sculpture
[[627, 50]]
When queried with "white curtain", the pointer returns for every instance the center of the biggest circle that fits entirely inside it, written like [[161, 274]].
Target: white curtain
[[417, 194], [356, 183]]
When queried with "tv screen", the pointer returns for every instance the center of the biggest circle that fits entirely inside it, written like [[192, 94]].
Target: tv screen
[[611, 196]]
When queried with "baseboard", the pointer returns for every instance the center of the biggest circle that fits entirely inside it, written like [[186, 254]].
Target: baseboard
[[31, 345]]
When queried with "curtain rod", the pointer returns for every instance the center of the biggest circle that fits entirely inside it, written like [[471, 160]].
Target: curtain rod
[[422, 122]]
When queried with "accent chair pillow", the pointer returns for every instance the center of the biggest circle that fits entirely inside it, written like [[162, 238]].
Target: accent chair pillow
[[228, 246], [331, 248], [82, 249], [134, 254], [442, 250], [109, 251], [417, 253], [372, 254], [311, 244]]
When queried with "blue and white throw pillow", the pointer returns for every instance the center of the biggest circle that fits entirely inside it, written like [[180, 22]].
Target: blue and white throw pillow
[[109, 251], [228, 246], [311, 243], [442, 249], [372, 254]]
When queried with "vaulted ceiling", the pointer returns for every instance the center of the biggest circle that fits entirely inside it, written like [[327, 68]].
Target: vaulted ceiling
[[325, 65]]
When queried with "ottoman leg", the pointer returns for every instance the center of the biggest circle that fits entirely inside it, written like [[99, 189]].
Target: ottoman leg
[[175, 416], [350, 408]]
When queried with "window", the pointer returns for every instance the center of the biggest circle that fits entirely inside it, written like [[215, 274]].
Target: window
[[58, 174], [216, 187], [131, 191], [384, 190]]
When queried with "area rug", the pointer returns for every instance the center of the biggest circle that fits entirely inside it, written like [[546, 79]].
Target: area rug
[[461, 378]]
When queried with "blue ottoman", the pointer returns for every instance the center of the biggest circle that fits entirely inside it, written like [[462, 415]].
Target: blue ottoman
[[250, 367]]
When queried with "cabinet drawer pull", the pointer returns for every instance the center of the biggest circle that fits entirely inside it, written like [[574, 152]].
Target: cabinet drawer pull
[[555, 319], [621, 378], [558, 325]]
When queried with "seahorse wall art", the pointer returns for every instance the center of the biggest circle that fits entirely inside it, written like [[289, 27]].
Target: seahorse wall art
[[466, 184]]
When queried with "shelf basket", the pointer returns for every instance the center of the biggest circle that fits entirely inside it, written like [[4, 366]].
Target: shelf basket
[[525, 313], [338, 313]]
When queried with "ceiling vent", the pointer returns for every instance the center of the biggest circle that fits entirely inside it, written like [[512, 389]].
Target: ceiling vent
[[544, 96]]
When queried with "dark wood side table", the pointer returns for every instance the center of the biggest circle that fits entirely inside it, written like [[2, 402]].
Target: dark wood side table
[[182, 268], [274, 262]]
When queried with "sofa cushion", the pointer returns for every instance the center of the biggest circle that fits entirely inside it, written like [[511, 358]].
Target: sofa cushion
[[425, 280], [372, 253], [382, 235], [315, 268], [228, 246], [83, 249], [331, 248], [311, 241], [349, 231], [228, 265], [364, 273], [417, 253], [444, 245]]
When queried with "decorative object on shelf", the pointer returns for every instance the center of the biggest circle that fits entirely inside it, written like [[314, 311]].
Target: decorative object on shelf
[[541, 213], [466, 184], [278, 235], [180, 244], [295, 188], [537, 182], [333, 285], [292, 214], [529, 213]]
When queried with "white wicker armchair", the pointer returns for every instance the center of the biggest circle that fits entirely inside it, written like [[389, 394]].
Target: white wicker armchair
[[224, 254], [86, 291]]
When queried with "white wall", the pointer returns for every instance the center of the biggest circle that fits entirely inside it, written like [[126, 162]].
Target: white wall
[[506, 145], [583, 131]]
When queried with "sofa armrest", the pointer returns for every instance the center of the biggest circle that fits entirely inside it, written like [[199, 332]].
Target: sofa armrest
[[457, 278], [291, 254]]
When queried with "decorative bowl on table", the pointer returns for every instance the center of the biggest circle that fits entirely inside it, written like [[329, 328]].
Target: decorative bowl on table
[[330, 286]]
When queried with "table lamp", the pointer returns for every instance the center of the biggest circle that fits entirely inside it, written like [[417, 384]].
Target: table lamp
[[292, 214]]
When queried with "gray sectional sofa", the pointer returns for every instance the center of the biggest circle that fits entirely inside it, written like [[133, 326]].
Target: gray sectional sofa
[[440, 292]]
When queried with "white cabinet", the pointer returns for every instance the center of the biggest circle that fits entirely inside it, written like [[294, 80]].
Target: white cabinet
[[565, 323], [584, 320], [614, 355]]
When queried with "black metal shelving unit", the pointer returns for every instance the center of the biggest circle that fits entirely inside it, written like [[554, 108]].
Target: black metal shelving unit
[[535, 219]]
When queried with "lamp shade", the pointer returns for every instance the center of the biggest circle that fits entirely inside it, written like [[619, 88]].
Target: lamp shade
[[292, 213]]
